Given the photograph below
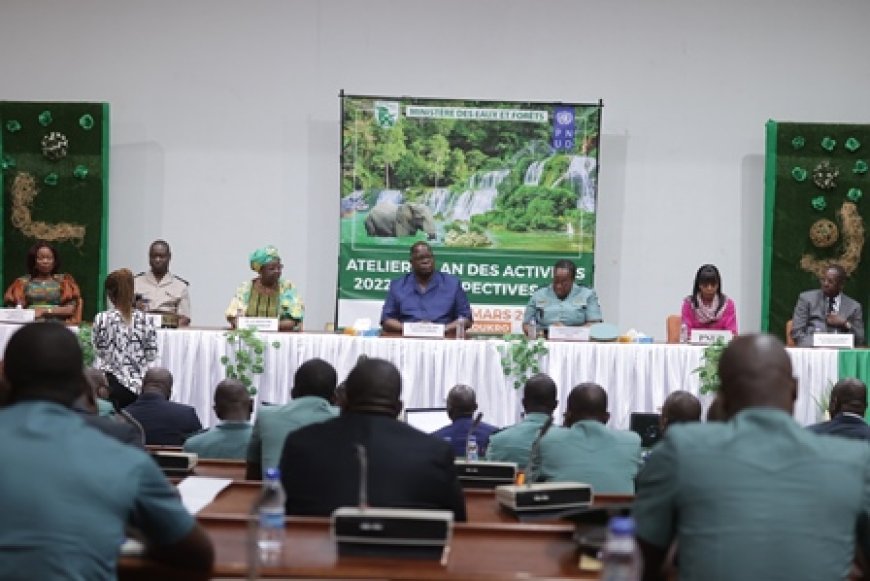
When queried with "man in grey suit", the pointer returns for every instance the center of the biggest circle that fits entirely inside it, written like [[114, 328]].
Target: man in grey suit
[[827, 310]]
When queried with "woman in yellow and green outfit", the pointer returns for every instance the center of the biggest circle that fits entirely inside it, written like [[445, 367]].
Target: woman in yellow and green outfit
[[268, 295]]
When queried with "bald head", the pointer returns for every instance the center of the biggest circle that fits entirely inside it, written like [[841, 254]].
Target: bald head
[[374, 386], [461, 402], [848, 396], [44, 361], [232, 402], [755, 371], [680, 407], [158, 380], [539, 395], [587, 401]]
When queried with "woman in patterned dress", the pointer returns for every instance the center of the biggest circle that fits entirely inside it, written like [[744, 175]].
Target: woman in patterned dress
[[268, 295], [44, 289]]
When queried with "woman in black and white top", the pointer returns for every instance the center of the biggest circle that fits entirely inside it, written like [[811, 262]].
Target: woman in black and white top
[[125, 341]]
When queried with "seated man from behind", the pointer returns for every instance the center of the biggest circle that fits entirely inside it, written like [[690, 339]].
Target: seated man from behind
[[312, 396], [461, 405], [229, 439], [67, 492], [166, 423], [847, 407], [680, 407], [406, 468], [586, 450], [514, 443], [757, 497]]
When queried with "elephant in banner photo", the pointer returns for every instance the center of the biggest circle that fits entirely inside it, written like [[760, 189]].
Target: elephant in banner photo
[[387, 219]]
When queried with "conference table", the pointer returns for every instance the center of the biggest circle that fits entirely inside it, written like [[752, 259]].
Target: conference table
[[492, 545], [637, 376]]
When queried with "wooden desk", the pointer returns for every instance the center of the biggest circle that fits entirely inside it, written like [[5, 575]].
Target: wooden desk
[[478, 552], [234, 469], [481, 507]]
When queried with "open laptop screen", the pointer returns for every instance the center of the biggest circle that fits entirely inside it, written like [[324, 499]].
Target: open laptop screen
[[426, 419]]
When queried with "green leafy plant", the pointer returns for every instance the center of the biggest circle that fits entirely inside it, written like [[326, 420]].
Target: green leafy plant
[[708, 371], [85, 335], [245, 358], [521, 358]]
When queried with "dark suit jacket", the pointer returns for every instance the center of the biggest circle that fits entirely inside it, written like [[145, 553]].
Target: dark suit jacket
[[166, 423], [845, 426], [406, 468], [811, 311]]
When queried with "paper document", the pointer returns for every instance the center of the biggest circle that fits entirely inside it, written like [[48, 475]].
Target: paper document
[[198, 491]]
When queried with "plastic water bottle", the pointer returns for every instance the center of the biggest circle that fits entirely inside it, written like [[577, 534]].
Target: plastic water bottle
[[471, 453], [533, 329], [684, 333], [269, 510], [621, 560]]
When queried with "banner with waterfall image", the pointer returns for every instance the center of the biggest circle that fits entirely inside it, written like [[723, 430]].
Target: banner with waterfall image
[[501, 190]]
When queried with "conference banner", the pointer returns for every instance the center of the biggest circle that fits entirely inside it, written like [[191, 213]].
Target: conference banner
[[500, 190], [816, 177]]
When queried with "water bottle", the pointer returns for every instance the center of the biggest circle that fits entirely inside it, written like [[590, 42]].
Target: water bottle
[[684, 333], [621, 560], [533, 329], [460, 327], [471, 453], [269, 509]]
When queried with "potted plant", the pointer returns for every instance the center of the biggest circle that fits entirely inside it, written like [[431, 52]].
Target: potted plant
[[246, 356], [708, 371], [521, 358]]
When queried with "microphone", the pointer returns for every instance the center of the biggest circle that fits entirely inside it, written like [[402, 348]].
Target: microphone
[[474, 424], [362, 458], [535, 452]]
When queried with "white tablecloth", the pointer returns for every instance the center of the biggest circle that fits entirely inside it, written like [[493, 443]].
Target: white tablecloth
[[637, 377]]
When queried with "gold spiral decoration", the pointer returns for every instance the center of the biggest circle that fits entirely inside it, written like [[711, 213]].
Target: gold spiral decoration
[[852, 229], [24, 191]]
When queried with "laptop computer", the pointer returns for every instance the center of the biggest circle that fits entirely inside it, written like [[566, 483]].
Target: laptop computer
[[426, 419]]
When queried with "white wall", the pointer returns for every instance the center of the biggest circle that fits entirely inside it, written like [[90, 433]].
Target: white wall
[[225, 119]]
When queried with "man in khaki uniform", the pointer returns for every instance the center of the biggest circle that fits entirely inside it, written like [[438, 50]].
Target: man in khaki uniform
[[165, 292]]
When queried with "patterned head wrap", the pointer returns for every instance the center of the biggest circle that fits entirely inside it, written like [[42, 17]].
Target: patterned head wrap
[[262, 256]]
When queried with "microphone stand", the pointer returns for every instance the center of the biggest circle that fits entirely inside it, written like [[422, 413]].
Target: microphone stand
[[535, 453], [471, 429]]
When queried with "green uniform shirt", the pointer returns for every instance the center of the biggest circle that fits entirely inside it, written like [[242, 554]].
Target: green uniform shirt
[[590, 452], [578, 308], [514, 443], [758, 497], [275, 422], [228, 440]]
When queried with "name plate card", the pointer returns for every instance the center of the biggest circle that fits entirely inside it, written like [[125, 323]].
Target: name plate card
[[709, 336], [834, 340], [427, 330], [155, 319], [17, 315], [562, 333], [258, 323]]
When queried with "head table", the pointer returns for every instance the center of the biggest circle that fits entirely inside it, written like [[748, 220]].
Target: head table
[[638, 377]]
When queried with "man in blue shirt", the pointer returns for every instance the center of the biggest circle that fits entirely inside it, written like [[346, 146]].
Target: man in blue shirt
[[461, 405], [425, 295], [67, 491]]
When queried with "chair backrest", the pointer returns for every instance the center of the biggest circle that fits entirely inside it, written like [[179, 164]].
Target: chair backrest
[[789, 342], [672, 324]]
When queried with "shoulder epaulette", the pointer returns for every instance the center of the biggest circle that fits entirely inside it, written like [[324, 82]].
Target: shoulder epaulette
[[140, 274], [181, 279]]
